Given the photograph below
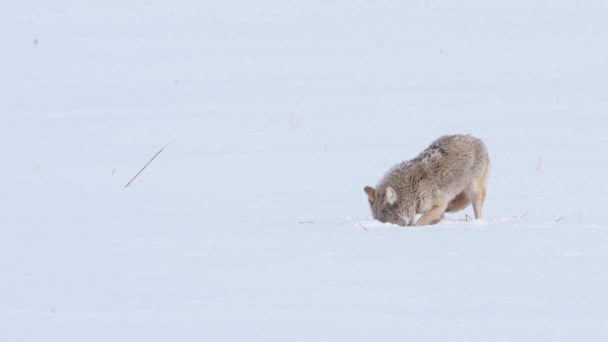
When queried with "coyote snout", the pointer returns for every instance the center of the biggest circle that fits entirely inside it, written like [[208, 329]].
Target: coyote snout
[[451, 173]]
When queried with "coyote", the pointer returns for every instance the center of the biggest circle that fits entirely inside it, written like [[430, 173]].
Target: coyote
[[451, 173]]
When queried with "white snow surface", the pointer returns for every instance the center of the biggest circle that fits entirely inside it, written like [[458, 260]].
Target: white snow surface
[[252, 224]]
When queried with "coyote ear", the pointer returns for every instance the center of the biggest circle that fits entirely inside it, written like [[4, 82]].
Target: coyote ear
[[391, 195], [371, 193]]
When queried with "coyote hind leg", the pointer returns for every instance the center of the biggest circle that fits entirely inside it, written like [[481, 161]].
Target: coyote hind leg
[[477, 194], [459, 202]]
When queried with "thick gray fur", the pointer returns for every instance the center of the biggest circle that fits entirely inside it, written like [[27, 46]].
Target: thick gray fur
[[451, 173]]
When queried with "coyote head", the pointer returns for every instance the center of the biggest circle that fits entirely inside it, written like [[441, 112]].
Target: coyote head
[[384, 204]]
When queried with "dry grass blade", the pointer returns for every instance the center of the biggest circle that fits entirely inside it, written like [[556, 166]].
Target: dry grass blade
[[467, 218], [539, 165], [362, 226], [145, 166], [559, 219]]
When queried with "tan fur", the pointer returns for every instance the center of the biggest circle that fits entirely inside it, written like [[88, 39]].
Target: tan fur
[[451, 173], [431, 217], [459, 202], [371, 193]]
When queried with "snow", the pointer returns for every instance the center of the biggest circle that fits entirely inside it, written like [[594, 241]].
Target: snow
[[252, 224]]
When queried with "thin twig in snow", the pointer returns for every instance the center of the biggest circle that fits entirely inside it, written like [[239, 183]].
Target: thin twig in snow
[[145, 166]]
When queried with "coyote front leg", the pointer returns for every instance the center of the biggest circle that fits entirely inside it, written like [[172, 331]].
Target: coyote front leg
[[431, 216]]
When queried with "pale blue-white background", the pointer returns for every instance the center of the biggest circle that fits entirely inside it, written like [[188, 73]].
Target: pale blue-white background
[[247, 226]]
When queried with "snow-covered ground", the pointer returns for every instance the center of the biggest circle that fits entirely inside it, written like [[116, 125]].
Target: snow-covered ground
[[252, 224]]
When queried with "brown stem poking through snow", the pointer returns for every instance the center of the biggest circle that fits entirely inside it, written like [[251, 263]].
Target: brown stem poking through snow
[[145, 166]]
